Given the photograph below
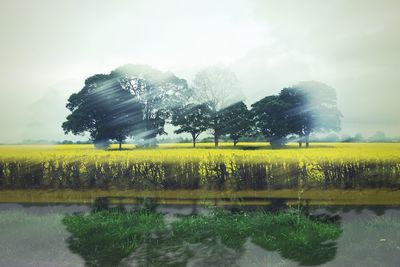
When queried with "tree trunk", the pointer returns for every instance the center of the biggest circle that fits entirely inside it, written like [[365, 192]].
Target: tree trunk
[[216, 141], [235, 142], [307, 140], [194, 140], [120, 145], [150, 142], [276, 144], [300, 144]]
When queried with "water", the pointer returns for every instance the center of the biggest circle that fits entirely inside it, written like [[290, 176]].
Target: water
[[34, 235]]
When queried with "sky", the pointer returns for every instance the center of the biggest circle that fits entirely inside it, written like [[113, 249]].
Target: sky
[[48, 48]]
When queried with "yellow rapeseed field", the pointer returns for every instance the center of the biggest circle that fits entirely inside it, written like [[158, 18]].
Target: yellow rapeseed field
[[248, 152], [330, 173]]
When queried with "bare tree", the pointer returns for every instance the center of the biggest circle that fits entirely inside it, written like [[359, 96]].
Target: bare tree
[[218, 87]]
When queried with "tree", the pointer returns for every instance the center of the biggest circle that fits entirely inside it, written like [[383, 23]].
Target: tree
[[332, 138], [192, 119], [104, 109], [271, 119], [379, 136], [236, 121], [217, 87], [312, 108], [298, 116], [158, 92]]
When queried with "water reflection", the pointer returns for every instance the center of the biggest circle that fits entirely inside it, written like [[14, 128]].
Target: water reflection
[[34, 235], [113, 236], [359, 211]]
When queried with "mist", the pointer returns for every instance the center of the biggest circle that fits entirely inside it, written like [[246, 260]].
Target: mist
[[49, 48]]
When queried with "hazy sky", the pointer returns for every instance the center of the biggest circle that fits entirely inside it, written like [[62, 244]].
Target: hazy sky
[[48, 48]]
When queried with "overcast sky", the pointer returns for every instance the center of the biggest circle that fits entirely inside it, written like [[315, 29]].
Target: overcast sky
[[48, 48]]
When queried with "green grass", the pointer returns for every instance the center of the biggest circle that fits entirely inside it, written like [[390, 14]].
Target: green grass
[[105, 238]]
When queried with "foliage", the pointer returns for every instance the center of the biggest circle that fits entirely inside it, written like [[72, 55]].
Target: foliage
[[192, 119], [104, 109], [311, 108], [218, 87], [105, 238], [131, 100], [271, 119], [300, 110], [236, 121], [137, 100], [157, 91], [295, 236]]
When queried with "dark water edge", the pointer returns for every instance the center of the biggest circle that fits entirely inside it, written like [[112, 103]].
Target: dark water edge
[[37, 237], [346, 212]]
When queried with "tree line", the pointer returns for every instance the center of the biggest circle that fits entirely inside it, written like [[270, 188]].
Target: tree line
[[138, 101]]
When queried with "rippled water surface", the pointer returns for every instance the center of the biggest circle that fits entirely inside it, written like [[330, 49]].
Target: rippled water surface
[[35, 235]]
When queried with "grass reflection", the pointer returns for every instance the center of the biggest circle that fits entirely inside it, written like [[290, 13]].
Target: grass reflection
[[110, 237]]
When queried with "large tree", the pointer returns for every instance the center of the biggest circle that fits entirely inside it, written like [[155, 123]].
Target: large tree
[[236, 121], [311, 108], [104, 109], [271, 120], [158, 92], [297, 113], [218, 87], [192, 119]]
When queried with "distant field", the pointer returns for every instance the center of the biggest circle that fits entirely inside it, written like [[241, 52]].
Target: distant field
[[247, 167], [257, 152]]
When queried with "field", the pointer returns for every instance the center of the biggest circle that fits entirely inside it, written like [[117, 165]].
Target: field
[[71, 198], [204, 151], [342, 172]]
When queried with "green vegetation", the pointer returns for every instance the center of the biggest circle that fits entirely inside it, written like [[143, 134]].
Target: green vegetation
[[137, 101], [105, 238], [131, 100]]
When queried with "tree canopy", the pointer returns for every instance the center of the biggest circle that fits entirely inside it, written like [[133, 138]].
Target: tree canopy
[[104, 109], [158, 92], [300, 110], [218, 87], [311, 108], [133, 100], [138, 100], [192, 119], [236, 121], [271, 119]]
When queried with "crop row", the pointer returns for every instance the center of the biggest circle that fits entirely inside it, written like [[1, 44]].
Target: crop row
[[215, 175]]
